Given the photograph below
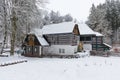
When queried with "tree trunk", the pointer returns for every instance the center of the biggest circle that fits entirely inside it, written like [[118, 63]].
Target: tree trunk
[[14, 28]]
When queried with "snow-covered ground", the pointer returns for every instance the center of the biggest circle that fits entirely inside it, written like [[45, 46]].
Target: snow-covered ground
[[88, 68]]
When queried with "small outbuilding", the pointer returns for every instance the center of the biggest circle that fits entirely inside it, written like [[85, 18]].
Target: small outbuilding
[[33, 45]]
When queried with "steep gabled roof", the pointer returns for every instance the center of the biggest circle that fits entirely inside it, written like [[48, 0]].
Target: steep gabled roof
[[41, 39], [65, 27], [85, 30]]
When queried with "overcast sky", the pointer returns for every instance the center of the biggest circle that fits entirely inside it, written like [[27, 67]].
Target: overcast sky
[[77, 8]]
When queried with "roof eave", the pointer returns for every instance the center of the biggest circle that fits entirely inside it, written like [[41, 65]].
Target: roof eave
[[57, 33]]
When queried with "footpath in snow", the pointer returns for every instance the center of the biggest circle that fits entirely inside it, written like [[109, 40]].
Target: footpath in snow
[[6, 60]]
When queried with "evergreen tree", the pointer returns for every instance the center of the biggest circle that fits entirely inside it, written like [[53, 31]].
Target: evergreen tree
[[113, 16], [68, 18], [105, 18]]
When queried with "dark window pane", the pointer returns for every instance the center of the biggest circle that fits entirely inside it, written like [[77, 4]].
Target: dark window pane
[[82, 38], [88, 38]]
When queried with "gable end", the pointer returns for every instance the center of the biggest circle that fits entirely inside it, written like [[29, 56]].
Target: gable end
[[76, 30]]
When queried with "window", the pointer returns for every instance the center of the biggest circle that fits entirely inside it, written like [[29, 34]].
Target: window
[[35, 49], [61, 50], [29, 49], [85, 38], [82, 39], [88, 38]]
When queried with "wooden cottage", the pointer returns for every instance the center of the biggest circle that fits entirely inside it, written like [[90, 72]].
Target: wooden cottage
[[33, 45], [63, 38]]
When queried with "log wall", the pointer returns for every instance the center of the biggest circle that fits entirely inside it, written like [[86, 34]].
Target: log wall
[[62, 39]]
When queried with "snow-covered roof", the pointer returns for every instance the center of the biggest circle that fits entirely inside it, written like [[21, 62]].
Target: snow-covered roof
[[65, 27], [107, 45], [42, 41], [85, 30], [98, 34], [38, 34]]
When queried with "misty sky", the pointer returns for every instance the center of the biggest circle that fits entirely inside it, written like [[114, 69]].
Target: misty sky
[[77, 8]]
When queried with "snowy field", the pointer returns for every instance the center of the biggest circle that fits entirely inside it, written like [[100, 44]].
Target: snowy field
[[89, 68]]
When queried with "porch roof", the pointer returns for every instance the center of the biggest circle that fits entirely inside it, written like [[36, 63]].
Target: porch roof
[[107, 45]]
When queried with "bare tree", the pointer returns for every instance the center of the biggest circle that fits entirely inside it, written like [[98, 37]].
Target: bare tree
[[5, 6]]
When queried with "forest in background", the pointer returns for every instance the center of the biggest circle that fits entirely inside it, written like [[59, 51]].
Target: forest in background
[[105, 18], [19, 17]]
